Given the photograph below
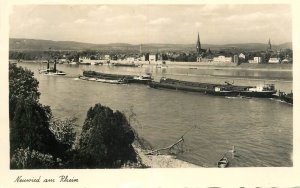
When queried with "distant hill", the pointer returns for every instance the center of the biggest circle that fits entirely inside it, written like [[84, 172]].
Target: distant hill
[[44, 45]]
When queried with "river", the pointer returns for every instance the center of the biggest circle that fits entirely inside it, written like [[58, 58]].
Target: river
[[260, 129]]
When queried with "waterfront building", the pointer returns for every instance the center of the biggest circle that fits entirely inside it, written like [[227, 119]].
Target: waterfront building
[[152, 57], [107, 57], [285, 61], [269, 45], [145, 57], [256, 60], [235, 59], [222, 59], [63, 60], [130, 59], [87, 60], [274, 60], [242, 56], [201, 59]]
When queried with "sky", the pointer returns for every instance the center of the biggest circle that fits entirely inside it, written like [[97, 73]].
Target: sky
[[140, 24]]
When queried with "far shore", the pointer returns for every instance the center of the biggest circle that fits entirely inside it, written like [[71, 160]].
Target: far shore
[[202, 65]]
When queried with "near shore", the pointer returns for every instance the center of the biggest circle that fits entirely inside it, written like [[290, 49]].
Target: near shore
[[161, 161]]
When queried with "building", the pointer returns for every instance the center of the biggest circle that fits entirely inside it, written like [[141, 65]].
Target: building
[[274, 60], [198, 45], [201, 59], [222, 59], [87, 60], [236, 59], [152, 58], [285, 61], [63, 60], [269, 45], [130, 59], [242, 56], [107, 57], [256, 60]]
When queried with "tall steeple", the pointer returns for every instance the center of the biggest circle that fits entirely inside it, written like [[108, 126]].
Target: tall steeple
[[270, 46], [198, 46]]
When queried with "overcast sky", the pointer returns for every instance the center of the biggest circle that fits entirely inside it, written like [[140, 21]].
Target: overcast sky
[[135, 24]]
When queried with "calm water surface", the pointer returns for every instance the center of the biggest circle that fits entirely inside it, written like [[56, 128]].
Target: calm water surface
[[260, 129]]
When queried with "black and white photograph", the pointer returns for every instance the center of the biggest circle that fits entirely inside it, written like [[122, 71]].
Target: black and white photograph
[[149, 86]]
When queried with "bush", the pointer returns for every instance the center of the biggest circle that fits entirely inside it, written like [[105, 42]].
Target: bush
[[64, 131], [106, 139], [26, 159], [29, 120]]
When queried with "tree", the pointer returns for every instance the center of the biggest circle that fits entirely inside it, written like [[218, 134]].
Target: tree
[[29, 120], [106, 139], [64, 131], [27, 159]]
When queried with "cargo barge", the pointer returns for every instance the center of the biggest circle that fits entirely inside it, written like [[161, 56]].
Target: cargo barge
[[111, 78], [267, 90]]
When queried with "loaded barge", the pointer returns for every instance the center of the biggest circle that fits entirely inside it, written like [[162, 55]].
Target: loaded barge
[[115, 78], [267, 90]]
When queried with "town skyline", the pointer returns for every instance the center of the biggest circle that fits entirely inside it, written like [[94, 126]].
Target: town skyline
[[157, 24]]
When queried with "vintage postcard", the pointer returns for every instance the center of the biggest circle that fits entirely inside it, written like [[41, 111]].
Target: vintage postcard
[[188, 94]]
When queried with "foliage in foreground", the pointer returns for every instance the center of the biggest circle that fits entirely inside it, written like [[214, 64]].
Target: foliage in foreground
[[31, 159], [29, 120], [37, 140], [106, 139]]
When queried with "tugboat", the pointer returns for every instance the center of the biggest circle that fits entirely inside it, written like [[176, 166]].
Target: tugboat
[[286, 97], [53, 71]]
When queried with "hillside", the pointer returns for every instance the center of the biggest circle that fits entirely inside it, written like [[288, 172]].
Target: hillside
[[43, 45]]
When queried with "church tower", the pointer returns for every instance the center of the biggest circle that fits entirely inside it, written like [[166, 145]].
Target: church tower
[[198, 46], [269, 45]]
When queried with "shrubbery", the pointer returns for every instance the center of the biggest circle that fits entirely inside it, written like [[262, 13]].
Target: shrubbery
[[106, 139], [31, 159], [37, 140]]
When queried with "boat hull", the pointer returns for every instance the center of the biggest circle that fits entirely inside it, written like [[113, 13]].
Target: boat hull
[[223, 90], [125, 78], [54, 73], [103, 80]]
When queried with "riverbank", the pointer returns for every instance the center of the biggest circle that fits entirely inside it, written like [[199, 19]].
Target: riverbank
[[142, 147], [160, 161], [201, 65]]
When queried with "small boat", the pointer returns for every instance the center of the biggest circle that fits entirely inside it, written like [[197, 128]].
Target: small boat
[[287, 97], [73, 63], [142, 79], [223, 162], [57, 73], [52, 71]]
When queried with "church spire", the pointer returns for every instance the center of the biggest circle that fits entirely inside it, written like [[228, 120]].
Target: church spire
[[198, 46], [270, 46]]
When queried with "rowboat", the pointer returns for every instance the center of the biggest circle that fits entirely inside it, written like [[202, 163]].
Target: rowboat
[[223, 162]]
